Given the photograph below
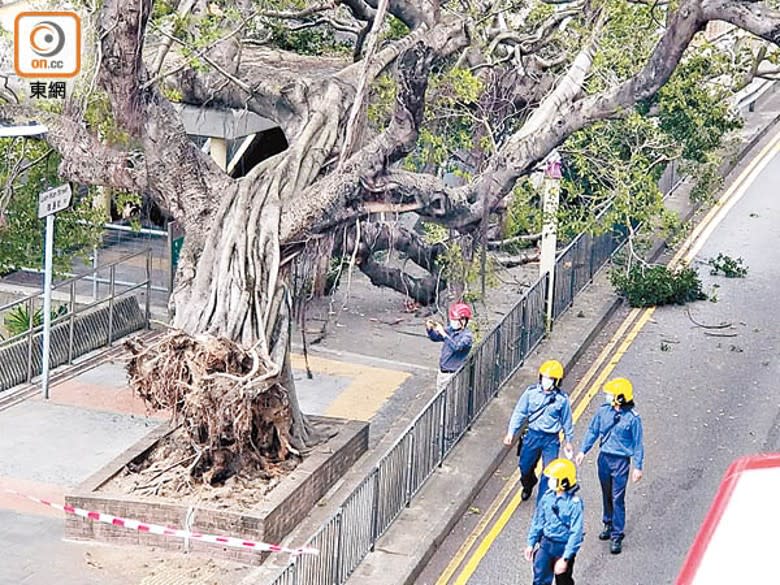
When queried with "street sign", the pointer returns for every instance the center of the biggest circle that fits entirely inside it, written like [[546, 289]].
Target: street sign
[[54, 200], [49, 203]]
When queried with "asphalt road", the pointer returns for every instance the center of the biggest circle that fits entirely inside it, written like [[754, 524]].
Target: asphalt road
[[706, 396]]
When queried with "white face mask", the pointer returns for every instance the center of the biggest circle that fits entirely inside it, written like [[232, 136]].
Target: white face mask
[[454, 324], [608, 398], [547, 383]]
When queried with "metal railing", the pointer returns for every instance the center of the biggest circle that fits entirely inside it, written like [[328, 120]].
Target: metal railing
[[119, 243], [70, 300], [367, 513], [579, 262]]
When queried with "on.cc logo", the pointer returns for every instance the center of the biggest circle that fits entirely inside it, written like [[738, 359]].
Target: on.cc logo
[[47, 44], [47, 38]]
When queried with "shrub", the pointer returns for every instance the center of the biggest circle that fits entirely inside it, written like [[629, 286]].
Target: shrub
[[647, 286], [17, 321]]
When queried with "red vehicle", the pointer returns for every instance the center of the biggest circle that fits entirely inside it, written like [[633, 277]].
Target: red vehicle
[[738, 541]]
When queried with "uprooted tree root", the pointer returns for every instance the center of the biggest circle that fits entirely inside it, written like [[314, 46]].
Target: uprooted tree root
[[234, 413]]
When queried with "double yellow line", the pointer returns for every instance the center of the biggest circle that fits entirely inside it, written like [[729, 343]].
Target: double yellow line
[[584, 393], [597, 374]]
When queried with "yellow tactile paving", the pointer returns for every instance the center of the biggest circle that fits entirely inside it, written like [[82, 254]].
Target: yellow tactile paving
[[369, 389]]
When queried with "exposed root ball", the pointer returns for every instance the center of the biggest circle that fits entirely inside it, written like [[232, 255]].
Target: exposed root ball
[[232, 408]]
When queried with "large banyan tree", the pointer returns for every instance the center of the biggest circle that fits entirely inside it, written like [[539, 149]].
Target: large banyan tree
[[224, 366]]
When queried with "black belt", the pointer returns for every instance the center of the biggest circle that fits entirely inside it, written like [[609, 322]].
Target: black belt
[[615, 455], [544, 432], [544, 537]]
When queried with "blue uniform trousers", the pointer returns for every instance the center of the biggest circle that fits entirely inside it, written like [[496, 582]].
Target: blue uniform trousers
[[537, 444], [613, 476], [548, 552]]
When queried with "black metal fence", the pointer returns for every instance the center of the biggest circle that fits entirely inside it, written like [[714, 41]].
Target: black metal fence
[[578, 263], [372, 507]]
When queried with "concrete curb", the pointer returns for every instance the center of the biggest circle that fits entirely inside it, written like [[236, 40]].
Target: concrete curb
[[403, 552]]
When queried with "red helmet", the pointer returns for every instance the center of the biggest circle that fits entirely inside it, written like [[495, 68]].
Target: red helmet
[[460, 311]]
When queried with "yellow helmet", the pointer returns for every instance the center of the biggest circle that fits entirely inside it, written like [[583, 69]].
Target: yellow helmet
[[621, 389], [563, 472], [552, 369]]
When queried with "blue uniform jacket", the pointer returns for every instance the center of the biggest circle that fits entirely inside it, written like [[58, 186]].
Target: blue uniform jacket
[[554, 418], [456, 347], [559, 517], [624, 438]]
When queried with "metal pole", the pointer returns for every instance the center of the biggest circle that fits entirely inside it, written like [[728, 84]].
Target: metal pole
[[31, 328], [72, 320], [410, 461], [549, 233], [470, 395], [148, 284], [445, 399], [337, 556], [47, 304], [112, 281], [375, 510], [94, 274]]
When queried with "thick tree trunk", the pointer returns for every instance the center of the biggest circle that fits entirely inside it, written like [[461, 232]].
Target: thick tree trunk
[[226, 369]]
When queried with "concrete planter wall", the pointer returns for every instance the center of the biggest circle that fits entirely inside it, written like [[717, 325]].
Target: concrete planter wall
[[270, 521]]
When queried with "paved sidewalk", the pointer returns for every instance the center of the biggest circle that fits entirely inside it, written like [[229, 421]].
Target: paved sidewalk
[[49, 447]]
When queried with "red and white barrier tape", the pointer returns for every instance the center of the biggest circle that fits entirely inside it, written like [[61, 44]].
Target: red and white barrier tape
[[167, 531]]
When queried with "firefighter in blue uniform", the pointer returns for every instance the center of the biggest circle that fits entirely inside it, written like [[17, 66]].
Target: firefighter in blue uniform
[[556, 530], [547, 410], [618, 428]]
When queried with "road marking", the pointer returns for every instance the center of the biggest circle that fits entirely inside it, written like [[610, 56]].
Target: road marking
[[610, 366], [464, 549], [485, 545], [720, 209], [688, 250], [499, 500], [582, 384]]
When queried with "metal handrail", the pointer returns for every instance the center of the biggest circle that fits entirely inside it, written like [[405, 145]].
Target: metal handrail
[[73, 279], [69, 318]]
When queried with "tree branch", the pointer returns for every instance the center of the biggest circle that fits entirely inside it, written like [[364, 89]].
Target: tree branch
[[755, 17], [185, 7], [184, 179], [341, 188], [84, 159], [303, 13], [351, 131], [382, 236]]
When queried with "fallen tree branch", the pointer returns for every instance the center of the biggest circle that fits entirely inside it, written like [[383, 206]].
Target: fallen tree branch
[[498, 244]]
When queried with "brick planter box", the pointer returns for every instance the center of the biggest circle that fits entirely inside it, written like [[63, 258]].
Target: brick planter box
[[270, 521]]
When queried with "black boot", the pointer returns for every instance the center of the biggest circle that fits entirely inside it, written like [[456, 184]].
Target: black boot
[[616, 547], [528, 483], [606, 533]]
